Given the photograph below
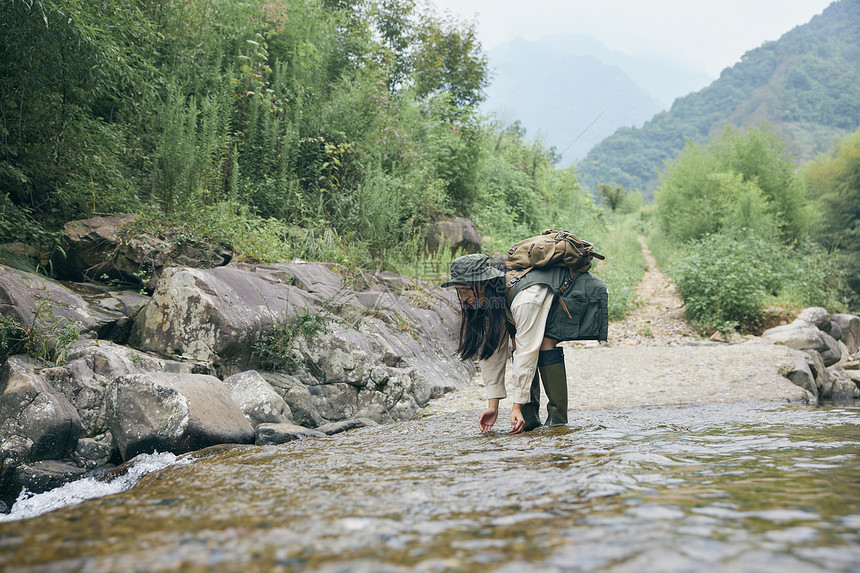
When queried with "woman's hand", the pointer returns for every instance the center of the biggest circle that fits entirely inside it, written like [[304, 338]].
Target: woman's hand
[[488, 416], [487, 419], [517, 420]]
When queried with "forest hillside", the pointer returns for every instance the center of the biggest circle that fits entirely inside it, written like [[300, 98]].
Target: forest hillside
[[806, 85]]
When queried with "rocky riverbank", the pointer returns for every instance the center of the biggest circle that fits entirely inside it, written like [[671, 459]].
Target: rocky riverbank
[[176, 364]]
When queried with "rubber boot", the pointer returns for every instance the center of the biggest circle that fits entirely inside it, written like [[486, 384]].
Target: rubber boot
[[531, 409], [554, 377]]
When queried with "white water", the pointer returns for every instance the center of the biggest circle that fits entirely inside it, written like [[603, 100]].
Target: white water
[[30, 505]]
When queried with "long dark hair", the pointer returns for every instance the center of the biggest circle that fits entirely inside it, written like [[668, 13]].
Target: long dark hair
[[482, 328]]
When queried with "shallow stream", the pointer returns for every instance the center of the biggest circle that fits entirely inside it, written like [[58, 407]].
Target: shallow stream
[[722, 487]]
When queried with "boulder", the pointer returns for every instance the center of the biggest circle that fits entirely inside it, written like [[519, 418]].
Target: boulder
[[342, 401], [95, 452], [456, 234], [297, 396], [822, 377], [274, 434], [35, 301], [817, 316], [97, 248], [36, 421], [801, 374], [257, 399], [835, 331], [803, 335], [849, 325], [842, 387], [215, 315], [172, 412], [89, 243], [833, 354], [39, 477], [19, 255], [386, 353], [92, 365], [338, 427]]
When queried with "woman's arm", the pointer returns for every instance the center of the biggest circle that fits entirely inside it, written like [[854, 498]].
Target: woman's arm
[[493, 374], [530, 309]]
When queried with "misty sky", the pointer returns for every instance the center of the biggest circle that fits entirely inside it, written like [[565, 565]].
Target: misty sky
[[710, 35]]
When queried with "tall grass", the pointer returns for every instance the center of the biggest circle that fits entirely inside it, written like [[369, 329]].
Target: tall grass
[[624, 266]]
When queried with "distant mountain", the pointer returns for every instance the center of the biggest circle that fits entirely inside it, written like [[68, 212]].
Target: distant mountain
[[663, 78], [806, 84], [573, 91]]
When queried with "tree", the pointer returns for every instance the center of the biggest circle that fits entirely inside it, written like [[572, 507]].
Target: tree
[[736, 181], [834, 179], [65, 79], [612, 196], [448, 59]]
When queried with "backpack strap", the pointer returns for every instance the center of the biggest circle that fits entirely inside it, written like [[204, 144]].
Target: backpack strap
[[516, 278], [564, 286]]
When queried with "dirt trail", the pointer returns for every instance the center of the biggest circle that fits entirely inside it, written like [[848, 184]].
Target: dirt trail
[[658, 317], [654, 357]]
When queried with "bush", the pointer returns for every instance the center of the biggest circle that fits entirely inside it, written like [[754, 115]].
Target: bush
[[728, 281], [48, 338]]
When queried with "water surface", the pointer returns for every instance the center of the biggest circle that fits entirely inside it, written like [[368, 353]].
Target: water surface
[[722, 487]]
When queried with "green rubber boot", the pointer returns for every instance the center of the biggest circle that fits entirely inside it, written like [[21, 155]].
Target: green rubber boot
[[531, 409], [554, 377]]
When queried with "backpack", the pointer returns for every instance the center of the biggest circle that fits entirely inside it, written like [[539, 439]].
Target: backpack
[[551, 249], [581, 307]]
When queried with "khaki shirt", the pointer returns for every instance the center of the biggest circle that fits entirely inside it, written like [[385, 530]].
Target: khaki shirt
[[529, 309]]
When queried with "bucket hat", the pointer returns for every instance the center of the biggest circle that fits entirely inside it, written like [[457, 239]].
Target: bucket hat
[[470, 269]]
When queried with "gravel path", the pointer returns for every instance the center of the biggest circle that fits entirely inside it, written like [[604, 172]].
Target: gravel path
[[654, 357]]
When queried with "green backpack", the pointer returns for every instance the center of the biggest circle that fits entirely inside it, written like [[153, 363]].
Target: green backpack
[[561, 260]]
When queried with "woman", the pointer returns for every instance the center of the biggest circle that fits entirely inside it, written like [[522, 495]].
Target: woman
[[488, 320]]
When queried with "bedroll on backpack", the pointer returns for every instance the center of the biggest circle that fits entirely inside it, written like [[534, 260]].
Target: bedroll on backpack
[[552, 248]]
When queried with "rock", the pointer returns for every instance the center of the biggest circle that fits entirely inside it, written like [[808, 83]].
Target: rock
[[849, 324], [91, 366], [19, 255], [274, 434], [95, 452], [257, 399], [817, 316], [801, 374], [835, 330], [96, 247], [47, 305], [803, 335], [843, 388], [36, 421], [89, 243], [456, 234], [39, 477], [338, 427], [217, 315], [833, 353], [297, 396], [822, 377], [172, 412]]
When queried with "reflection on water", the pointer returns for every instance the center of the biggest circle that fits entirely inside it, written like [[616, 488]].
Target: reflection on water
[[743, 487]]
